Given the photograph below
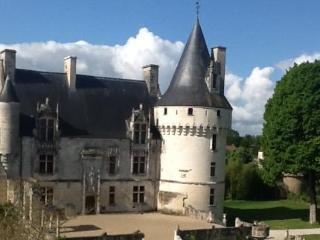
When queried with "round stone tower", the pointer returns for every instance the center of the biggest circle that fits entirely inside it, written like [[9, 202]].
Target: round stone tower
[[193, 121], [9, 128]]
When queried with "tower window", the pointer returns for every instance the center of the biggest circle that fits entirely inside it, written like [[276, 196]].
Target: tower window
[[211, 197], [140, 133], [46, 197], [46, 164], [214, 142], [190, 111], [112, 165], [212, 169], [139, 165], [138, 194], [112, 194], [165, 111], [218, 113]]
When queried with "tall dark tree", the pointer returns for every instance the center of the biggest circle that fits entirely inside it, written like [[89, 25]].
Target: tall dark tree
[[291, 132]]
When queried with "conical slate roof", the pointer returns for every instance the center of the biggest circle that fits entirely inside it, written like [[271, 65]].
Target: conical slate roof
[[8, 93], [188, 87]]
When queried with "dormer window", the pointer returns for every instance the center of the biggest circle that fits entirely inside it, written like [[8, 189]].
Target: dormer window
[[46, 129], [46, 122], [140, 133], [190, 111]]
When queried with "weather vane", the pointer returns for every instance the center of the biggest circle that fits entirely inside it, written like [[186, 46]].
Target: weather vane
[[197, 8]]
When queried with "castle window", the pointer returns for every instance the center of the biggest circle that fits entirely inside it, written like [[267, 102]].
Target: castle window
[[214, 142], [112, 194], [46, 129], [218, 113], [212, 169], [138, 194], [112, 165], [46, 164], [46, 197], [139, 165], [190, 111], [140, 133], [165, 111], [211, 197]]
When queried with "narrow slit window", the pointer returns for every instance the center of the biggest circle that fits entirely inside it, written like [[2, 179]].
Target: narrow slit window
[[212, 169], [218, 113], [214, 142], [211, 197], [165, 111], [190, 111]]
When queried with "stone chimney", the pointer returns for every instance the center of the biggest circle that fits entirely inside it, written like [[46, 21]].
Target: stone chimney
[[151, 76], [8, 57], [219, 55], [70, 69]]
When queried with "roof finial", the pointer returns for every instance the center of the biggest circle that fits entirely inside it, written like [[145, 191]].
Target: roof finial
[[197, 8]]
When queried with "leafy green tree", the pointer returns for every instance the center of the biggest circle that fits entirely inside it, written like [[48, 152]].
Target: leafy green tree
[[291, 132], [233, 137]]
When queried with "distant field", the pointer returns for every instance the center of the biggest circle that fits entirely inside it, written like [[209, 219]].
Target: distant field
[[282, 214]]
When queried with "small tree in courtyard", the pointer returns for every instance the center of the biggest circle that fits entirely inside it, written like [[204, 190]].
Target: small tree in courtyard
[[291, 132]]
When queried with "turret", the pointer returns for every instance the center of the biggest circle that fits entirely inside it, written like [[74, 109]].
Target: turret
[[9, 128], [193, 122]]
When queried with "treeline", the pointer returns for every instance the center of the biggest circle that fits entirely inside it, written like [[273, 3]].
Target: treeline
[[243, 176]]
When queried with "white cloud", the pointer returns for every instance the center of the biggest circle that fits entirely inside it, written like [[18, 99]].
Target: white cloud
[[286, 64], [115, 61], [248, 97]]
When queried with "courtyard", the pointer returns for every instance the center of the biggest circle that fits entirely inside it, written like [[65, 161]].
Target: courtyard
[[155, 226]]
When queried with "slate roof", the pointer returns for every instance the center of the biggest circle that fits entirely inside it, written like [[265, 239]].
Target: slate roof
[[188, 86], [8, 93], [97, 109]]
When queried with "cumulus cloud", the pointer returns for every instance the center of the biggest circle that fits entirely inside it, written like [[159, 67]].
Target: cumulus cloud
[[286, 64], [123, 61], [248, 97]]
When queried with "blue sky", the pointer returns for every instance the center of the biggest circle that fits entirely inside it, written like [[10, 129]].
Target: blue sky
[[257, 33]]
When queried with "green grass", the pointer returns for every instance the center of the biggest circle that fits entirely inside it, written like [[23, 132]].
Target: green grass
[[282, 214], [312, 237]]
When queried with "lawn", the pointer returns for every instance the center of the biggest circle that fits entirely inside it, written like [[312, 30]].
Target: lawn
[[282, 214], [312, 237]]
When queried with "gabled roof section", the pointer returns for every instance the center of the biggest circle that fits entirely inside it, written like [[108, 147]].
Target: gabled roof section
[[188, 87], [8, 93]]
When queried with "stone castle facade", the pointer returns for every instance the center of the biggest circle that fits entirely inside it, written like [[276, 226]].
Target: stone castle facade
[[97, 144]]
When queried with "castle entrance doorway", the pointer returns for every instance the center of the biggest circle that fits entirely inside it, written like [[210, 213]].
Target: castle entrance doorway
[[90, 205]]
